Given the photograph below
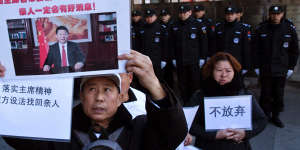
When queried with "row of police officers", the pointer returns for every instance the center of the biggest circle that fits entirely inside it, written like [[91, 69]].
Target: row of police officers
[[186, 43]]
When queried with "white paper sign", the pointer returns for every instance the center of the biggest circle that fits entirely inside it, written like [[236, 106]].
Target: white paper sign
[[28, 35], [39, 109], [228, 112]]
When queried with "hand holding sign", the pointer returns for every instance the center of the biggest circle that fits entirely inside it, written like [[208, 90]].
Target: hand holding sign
[[238, 135]]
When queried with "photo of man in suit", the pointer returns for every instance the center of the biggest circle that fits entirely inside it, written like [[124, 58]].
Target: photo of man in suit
[[64, 56]]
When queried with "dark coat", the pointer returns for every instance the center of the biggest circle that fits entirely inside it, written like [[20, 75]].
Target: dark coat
[[210, 29], [234, 38], [135, 28], [188, 41], [277, 48], [74, 55], [167, 53], [161, 129], [206, 140]]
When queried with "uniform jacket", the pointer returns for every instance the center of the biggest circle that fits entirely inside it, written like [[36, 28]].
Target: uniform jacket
[[135, 28], [74, 55], [150, 39], [163, 128], [206, 140], [210, 29], [234, 38], [189, 41], [277, 48], [167, 53]]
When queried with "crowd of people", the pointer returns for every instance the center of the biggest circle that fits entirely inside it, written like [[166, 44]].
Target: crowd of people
[[210, 59], [180, 44]]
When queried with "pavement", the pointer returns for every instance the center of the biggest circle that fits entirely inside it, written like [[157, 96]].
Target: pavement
[[272, 138]]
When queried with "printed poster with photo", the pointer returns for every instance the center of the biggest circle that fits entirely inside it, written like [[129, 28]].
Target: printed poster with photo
[[70, 38]]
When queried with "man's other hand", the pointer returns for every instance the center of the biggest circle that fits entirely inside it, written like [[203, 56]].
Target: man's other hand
[[78, 66], [46, 68], [2, 70]]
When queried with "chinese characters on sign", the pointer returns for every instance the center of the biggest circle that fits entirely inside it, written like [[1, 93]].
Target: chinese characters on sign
[[27, 101], [228, 112]]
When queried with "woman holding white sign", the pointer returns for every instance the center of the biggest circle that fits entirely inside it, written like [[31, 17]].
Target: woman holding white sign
[[221, 78]]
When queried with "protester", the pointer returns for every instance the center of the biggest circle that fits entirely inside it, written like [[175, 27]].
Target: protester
[[221, 78], [102, 119]]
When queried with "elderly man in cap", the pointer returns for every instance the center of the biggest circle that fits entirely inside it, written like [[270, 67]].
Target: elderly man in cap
[[234, 38], [189, 42], [150, 39], [137, 23], [101, 120], [200, 15], [277, 52]]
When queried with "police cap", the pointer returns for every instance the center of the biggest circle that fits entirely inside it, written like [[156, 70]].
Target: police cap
[[164, 12], [184, 8], [275, 9], [149, 12], [136, 13], [230, 10], [199, 8]]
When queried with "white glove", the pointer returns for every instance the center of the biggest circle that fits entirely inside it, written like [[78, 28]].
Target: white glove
[[201, 62], [163, 64], [174, 62], [244, 71], [289, 73], [257, 71]]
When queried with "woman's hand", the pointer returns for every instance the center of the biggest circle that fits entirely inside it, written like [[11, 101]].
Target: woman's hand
[[223, 134], [238, 136], [188, 140]]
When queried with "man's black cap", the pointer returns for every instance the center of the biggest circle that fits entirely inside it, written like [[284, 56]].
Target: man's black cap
[[230, 10], [136, 13], [275, 9], [149, 12], [164, 12], [199, 8], [184, 8]]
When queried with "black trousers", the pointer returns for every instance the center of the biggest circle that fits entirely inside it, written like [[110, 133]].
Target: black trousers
[[188, 80], [272, 93]]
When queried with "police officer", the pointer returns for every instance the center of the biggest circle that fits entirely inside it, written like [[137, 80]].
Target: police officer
[[137, 24], [233, 37], [166, 22], [150, 38], [200, 15], [189, 42], [277, 54]]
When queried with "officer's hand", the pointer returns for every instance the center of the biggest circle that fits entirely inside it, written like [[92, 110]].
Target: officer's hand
[[2, 70], [174, 62], [289, 73], [142, 67], [46, 68], [257, 71], [163, 64], [201, 62], [78, 66], [244, 71]]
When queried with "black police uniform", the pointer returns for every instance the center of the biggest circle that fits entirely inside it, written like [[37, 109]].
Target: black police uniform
[[209, 27], [150, 40], [135, 28], [234, 38], [167, 52], [189, 42], [277, 52]]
